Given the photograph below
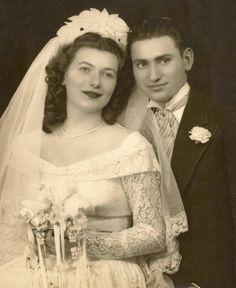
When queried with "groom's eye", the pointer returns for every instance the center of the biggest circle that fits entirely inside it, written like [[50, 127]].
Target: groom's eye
[[140, 64], [164, 60]]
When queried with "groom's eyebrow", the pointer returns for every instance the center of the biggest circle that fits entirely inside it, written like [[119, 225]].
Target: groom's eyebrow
[[164, 56], [140, 60], [155, 58]]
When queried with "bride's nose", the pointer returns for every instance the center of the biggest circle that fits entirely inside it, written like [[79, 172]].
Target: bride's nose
[[94, 80]]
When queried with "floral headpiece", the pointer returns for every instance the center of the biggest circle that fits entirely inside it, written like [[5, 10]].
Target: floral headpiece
[[95, 21]]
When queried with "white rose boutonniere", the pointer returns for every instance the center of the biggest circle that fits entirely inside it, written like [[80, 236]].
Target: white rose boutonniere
[[199, 135]]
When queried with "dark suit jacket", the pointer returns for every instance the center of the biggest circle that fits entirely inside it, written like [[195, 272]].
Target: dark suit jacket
[[200, 172]]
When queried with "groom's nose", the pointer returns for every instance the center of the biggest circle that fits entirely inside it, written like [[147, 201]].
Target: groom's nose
[[154, 72]]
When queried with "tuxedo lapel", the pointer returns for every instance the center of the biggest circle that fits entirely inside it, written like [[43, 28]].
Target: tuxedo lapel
[[187, 153]]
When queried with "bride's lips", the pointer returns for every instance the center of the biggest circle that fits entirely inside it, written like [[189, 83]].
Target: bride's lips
[[92, 94]]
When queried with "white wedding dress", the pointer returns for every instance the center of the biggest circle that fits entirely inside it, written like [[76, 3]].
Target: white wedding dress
[[119, 190]]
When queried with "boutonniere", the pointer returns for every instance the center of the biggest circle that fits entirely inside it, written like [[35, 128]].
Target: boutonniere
[[199, 135]]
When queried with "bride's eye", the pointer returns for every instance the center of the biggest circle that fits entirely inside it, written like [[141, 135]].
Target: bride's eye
[[84, 69], [109, 75]]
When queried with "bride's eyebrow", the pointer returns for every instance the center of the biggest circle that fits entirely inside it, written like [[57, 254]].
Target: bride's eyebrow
[[84, 62], [91, 65], [110, 70]]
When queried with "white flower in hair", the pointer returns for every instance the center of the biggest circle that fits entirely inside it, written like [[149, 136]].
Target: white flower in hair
[[95, 21]]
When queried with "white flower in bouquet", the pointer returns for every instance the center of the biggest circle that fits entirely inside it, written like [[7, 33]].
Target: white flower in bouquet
[[76, 202], [34, 207], [55, 192], [63, 212]]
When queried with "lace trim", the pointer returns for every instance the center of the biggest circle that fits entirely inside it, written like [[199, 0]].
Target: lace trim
[[169, 262], [135, 155], [148, 233], [176, 225]]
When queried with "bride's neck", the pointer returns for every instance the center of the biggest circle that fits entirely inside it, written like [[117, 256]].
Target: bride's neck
[[82, 121]]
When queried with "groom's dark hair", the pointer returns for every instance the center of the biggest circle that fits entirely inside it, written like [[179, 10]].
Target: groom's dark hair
[[153, 27]]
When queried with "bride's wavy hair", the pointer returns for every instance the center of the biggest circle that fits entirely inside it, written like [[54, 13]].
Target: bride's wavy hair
[[55, 102]]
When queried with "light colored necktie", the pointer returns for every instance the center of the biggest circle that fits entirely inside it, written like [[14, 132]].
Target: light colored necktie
[[169, 125]]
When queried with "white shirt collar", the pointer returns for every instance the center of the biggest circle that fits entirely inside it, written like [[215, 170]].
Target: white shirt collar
[[183, 91]]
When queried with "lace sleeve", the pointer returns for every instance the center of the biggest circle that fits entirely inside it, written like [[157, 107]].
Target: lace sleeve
[[148, 232]]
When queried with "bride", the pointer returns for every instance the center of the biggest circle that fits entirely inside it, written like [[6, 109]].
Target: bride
[[60, 135]]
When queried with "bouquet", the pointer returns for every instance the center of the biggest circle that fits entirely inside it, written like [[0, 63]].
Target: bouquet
[[64, 217]]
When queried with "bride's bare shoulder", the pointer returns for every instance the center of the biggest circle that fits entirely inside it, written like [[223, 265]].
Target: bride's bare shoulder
[[118, 133]]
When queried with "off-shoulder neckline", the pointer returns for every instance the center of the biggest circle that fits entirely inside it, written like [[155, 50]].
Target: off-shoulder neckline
[[134, 155], [123, 145]]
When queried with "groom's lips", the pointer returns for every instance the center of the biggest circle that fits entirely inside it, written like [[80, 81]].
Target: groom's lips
[[92, 94], [157, 86]]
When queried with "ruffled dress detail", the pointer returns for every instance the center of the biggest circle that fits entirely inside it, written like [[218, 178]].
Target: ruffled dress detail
[[120, 192]]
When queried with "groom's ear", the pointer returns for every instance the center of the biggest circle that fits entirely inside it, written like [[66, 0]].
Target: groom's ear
[[188, 57]]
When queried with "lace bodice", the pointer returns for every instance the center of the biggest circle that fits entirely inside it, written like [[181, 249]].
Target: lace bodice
[[120, 186]]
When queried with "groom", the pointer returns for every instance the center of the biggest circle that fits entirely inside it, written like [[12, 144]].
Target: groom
[[192, 137]]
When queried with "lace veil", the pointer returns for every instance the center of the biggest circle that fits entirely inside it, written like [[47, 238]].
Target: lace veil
[[173, 208], [24, 116], [25, 112]]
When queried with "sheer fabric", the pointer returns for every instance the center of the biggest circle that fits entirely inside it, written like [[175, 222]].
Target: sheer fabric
[[130, 173], [22, 172], [173, 208]]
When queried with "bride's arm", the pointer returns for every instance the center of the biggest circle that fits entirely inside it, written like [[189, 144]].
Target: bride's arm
[[148, 232]]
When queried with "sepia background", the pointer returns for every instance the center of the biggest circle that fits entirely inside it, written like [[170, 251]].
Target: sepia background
[[26, 26]]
